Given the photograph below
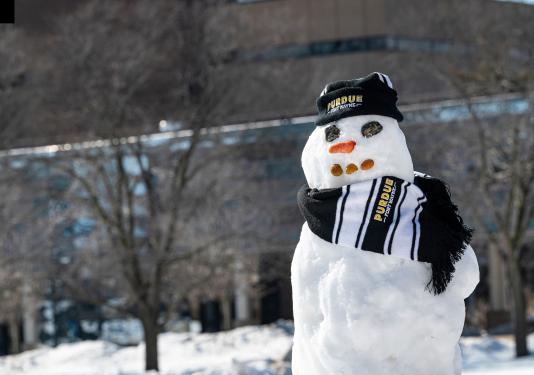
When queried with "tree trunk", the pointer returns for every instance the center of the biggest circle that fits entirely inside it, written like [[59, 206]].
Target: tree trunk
[[194, 308], [14, 336], [29, 319], [150, 330], [519, 309], [227, 313]]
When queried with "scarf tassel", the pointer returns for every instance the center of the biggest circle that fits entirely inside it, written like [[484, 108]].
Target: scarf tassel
[[454, 235]]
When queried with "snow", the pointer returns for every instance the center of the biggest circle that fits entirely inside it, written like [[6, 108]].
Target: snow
[[123, 331], [495, 356], [246, 350], [358, 312], [254, 350]]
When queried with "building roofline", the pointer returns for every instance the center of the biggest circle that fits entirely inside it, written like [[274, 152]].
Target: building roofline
[[163, 136]]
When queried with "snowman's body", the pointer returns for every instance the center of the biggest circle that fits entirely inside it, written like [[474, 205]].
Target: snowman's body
[[364, 313], [357, 312]]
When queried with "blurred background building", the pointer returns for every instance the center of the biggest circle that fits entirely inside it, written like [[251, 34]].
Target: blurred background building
[[279, 55]]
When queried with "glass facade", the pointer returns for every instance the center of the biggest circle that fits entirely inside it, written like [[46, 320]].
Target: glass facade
[[350, 45]]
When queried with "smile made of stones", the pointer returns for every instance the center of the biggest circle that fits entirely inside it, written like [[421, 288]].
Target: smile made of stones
[[351, 168]]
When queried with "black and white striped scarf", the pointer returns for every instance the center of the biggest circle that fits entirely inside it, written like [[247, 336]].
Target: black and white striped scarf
[[390, 216]]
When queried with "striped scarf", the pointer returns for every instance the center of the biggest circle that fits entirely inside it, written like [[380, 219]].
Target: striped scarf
[[390, 216]]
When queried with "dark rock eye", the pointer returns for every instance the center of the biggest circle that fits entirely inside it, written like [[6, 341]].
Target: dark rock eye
[[371, 128], [331, 133]]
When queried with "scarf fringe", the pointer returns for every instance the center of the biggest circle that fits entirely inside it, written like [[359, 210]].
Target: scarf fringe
[[453, 240]]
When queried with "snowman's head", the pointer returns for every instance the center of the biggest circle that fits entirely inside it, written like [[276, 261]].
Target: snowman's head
[[357, 135]]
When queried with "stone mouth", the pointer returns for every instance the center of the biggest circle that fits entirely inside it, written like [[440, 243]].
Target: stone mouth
[[337, 170]]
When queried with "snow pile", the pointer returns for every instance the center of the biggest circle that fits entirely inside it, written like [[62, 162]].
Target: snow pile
[[495, 356], [123, 331], [247, 350], [358, 312]]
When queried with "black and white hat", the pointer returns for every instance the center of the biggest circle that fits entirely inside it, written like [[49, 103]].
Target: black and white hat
[[370, 95]]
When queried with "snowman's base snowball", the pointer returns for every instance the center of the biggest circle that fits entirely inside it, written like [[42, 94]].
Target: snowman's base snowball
[[357, 312]]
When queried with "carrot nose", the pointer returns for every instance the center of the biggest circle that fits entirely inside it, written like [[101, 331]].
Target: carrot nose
[[342, 147]]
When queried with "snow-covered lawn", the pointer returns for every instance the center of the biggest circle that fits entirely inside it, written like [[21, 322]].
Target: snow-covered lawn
[[257, 350], [495, 356], [246, 350]]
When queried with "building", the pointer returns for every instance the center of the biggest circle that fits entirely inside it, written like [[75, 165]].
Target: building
[[287, 51]]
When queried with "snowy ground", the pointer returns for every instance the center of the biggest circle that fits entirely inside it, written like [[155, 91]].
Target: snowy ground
[[495, 356], [255, 350], [247, 350]]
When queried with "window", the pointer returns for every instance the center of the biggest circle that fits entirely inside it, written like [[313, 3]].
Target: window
[[250, 1], [350, 45]]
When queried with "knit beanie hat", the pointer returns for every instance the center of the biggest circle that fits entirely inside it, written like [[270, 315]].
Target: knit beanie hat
[[370, 95]]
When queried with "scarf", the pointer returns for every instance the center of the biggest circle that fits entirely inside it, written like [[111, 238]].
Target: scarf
[[391, 216]]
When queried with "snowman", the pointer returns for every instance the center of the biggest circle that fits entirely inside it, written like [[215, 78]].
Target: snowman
[[383, 264]]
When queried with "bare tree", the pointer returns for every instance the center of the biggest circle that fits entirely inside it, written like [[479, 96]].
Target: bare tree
[[491, 54], [109, 61], [25, 231], [26, 234], [504, 181], [108, 73]]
